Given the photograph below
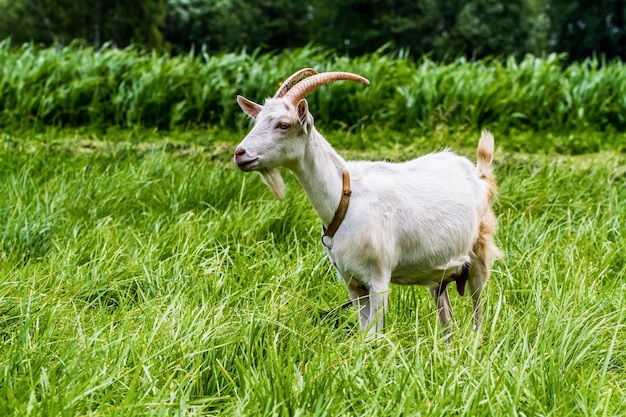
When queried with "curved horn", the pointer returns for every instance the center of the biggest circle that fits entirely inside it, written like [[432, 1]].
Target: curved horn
[[293, 80], [299, 91]]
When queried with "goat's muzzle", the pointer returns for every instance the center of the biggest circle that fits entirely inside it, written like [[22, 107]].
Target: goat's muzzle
[[244, 161]]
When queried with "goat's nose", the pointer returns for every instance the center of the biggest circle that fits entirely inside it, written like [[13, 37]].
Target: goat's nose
[[239, 152]]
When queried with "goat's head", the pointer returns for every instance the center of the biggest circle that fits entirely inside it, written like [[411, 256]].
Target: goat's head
[[282, 126]]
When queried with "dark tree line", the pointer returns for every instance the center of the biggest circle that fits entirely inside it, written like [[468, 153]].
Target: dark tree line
[[442, 29], [92, 21]]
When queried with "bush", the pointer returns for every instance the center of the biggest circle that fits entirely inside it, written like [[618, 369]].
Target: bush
[[76, 86]]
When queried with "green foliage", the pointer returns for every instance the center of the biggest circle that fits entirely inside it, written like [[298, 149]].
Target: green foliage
[[142, 274], [213, 26], [93, 22], [492, 28], [76, 86], [442, 30], [585, 28]]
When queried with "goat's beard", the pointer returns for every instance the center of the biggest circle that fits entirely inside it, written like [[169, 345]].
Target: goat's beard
[[272, 178]]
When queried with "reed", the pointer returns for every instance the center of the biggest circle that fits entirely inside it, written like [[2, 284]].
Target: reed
[[75, 86]]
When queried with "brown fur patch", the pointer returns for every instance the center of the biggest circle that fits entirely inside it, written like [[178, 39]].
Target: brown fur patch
[[357, 287], [485, 249], [484, 154]]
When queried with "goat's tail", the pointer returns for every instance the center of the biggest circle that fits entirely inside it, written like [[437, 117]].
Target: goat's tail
[[484, 157], [485, 248]]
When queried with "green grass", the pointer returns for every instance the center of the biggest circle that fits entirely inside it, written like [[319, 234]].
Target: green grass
[[77, 86], [142, 274]]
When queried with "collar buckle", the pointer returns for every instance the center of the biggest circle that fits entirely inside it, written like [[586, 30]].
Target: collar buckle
[[340, 214]]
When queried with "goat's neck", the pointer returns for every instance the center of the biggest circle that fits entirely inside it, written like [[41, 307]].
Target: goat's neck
[[320, 172]]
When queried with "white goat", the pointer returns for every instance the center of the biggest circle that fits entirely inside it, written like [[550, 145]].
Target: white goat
[[427, 221]]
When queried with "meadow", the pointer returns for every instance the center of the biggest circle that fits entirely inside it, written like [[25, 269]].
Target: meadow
[[142, 274]]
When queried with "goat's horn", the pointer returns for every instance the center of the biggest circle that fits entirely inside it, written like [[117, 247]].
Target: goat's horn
[[304, 87], [293, 80]]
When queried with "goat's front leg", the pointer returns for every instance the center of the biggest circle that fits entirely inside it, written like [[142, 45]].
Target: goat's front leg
[[371, 303], [378, 295], [359, 295]]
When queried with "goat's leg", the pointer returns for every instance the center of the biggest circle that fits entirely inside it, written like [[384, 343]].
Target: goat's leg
[[359, 295], [443, 308], [484, 250], [478, 275], [378, 296]]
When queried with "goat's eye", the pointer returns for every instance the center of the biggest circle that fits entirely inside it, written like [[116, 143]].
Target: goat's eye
[[282, 126]]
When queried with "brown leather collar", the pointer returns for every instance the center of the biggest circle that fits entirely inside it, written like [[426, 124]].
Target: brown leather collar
[[340, 214]]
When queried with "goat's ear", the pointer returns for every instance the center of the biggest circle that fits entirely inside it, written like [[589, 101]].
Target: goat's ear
[[305, 118], [303, 110], [249, 107]]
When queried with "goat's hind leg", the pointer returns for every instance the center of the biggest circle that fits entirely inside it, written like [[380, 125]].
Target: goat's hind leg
[[484, 251], [443, 307], [478, 275]]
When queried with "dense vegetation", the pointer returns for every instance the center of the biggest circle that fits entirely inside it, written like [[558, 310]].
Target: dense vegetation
[[442, 29], [77, 86], [142, 274]]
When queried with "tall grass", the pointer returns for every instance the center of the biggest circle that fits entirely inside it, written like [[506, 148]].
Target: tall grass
[[141, 274], [75, 86]]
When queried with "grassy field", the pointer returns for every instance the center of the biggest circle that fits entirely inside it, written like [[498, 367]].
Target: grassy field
[[142, 274], [77, 86]]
